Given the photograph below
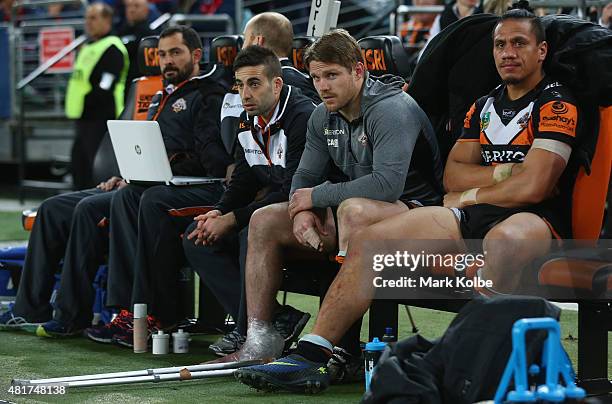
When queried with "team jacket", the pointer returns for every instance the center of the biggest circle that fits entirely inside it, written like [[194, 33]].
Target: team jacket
[[267, 161], [193, 141], [379, 152], [295, 78], [232, 105]]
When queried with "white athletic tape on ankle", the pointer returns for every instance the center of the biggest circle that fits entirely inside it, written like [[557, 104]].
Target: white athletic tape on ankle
[[318, 340], [263, 341]]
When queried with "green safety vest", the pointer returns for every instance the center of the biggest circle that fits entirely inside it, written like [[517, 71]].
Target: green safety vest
[[79, 85]]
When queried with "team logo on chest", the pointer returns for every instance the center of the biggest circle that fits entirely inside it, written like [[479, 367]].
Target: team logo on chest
[[484, 121], [523, 121], [179, 105], [279, 152], [363, 139]]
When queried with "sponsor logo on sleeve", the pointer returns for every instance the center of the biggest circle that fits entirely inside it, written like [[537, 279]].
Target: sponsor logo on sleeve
[[558, 116]]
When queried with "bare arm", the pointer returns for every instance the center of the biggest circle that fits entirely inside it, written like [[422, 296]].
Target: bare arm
[[534, 182], [463, 170]]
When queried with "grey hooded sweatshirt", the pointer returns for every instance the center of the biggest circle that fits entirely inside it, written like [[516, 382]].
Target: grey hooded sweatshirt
[[374, 151]]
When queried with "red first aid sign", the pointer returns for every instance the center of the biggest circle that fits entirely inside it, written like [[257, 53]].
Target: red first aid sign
[[51, 41]]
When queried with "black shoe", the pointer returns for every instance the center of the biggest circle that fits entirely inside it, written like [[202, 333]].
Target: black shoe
[[290, 322], [291, 373], [345, 368], [227, 344]]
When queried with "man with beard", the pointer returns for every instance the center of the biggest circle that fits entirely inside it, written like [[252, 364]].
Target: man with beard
[[145, 251], [67, 228]]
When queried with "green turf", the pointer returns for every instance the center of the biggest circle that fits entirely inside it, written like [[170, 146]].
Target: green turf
[[10, 225], [23, 355]]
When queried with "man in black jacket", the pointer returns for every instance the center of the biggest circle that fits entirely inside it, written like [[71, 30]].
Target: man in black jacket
[[145, 253], [135, 28], [69, 223], [271, 31], [271, 134]]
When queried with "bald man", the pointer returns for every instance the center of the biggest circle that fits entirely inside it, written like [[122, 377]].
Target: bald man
[[96, 89], [275, 32], [135, 27]]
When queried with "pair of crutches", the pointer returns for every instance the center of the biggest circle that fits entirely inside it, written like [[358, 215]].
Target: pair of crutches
[[141, 376]]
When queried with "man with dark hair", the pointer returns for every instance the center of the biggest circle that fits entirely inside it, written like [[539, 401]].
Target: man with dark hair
[[506, 180], [272, 31], [371, 130], [271, 135], [145, 251], [135, 27], [187, 111], [96, 90]]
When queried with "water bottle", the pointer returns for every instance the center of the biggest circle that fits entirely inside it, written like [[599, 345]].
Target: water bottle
[[140, 328], [372, 353], [389, 337]]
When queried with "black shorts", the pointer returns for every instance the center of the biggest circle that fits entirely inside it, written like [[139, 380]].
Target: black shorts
[[475, 221], [411, 203]]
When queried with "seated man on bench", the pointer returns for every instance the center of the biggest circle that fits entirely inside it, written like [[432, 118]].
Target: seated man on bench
[[67, 225], [369, 129], [271, 136], [507, 182]]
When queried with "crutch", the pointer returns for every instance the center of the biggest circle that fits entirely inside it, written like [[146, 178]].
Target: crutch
[[414, 327], [138, 376]]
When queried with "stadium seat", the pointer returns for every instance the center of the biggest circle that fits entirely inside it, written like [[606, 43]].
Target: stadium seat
[[223, 49], [587, 273], [300, 44], [385, 54]]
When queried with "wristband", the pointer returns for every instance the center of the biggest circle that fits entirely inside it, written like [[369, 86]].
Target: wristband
[[468, 197]]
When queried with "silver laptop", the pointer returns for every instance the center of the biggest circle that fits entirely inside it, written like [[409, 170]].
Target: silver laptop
[[141, 154]]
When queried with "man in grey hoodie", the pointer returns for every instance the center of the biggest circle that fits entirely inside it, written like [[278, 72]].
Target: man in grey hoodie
[[380, 140]]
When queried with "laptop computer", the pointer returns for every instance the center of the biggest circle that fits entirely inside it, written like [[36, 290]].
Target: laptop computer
[[141, 154]]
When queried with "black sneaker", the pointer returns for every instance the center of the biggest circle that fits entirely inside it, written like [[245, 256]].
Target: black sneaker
[[345, 368], [227, 344], [105, 333], [125, 337], [290, 322], [55, 329], [291, 373]]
